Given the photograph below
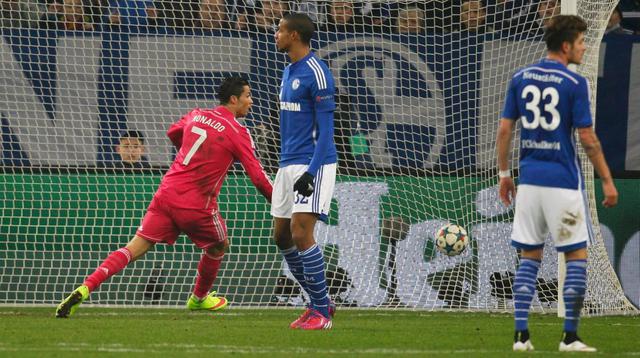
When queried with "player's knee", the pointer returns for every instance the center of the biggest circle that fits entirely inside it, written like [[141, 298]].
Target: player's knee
[[535, 254], [283, 241], [301, 235], [219, 248], [138, 246], [579, 254], [282, 233], [301, 229]]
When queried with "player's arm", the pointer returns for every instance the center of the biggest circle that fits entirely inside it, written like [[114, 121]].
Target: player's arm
[[503, 148], [507, 188], [175, 131], [581, 112], [503, 143], [593, 149], [322, 92], [324, 122], [245, 153], [323, 95]]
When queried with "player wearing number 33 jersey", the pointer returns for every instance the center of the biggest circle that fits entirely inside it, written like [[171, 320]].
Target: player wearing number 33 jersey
[[550, 101], [552, 104]]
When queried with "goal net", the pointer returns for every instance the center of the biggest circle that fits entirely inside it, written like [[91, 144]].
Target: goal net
[[88, 91]]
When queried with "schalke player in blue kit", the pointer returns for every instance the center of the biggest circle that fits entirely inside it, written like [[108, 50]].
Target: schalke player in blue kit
[[551, 103], [304, 183]]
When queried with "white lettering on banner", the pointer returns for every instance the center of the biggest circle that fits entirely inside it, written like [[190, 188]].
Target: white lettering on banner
[[62, 140], [413, 271], [357, 237], [628, 269], [151, 80]]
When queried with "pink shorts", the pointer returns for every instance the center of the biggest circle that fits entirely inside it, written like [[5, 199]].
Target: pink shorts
[[163, 224]]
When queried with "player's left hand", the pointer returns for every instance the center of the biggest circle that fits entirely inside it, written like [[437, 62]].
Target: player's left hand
[[304, 185], [507, 191]]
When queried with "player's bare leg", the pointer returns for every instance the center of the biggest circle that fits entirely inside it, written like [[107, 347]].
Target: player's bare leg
[[114, 263], [302, 225], [208, 268], [574, 289]]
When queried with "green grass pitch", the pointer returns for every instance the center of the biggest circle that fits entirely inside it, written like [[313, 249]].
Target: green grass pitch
[[34, 332]]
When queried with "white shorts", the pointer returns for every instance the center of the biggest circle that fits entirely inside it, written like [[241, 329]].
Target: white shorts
[[543, 210], [285, 202]]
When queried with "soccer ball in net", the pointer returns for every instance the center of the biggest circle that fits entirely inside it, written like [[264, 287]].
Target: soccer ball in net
[[451, 239]]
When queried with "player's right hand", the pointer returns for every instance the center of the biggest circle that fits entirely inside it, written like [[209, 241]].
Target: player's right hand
[[507, 190], [610, 194]]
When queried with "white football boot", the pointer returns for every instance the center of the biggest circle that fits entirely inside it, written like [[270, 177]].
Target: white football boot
[[576, 346], [523, 346]]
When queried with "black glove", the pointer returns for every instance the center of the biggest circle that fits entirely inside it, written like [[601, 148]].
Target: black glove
[[304, 185]]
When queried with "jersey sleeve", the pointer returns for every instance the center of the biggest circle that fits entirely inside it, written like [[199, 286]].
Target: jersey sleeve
[[510, 110], [245, 153], [323, 97], [581, 110], [322, 88], [175, 131]]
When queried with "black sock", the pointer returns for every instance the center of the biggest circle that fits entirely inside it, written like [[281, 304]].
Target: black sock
[[570, 337], [521, 336]]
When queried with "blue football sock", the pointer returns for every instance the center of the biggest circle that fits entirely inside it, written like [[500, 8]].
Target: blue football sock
[[313, 263], [294, 262], [575, 286], [524, 288]]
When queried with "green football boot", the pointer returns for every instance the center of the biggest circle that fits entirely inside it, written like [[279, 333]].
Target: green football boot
[[210, 303], [70, 304]]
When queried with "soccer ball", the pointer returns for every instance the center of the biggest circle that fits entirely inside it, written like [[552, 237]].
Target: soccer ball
[[451, 239]]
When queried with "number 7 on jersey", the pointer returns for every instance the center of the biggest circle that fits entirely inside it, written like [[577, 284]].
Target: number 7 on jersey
[[203, 135]]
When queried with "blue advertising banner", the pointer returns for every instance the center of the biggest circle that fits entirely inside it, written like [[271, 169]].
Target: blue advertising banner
[[421, 102]]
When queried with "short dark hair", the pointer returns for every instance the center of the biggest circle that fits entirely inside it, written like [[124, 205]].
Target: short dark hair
[[617, 9], [302, 24], [563, 28], [231, 86], [132, 134]]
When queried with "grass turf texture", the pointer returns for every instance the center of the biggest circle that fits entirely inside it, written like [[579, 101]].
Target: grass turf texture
[[177, 332]]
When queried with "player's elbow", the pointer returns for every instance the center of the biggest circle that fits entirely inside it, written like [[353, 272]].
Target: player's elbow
[[589, 140], [586, 135], [503, 134], [505, 131]]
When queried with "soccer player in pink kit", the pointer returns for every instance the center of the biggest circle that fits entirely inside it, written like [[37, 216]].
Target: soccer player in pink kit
[[209, 141]]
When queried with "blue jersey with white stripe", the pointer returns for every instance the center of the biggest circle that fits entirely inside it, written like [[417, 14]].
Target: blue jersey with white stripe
[[306, 114], [551, 101]]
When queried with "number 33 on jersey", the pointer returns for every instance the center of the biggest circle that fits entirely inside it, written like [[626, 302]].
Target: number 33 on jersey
[[550, 101]]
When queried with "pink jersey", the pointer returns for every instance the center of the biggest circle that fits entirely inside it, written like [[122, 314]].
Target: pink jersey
[[209, 141]]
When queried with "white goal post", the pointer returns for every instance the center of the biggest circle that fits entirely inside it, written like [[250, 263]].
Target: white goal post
[[420, 86]]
